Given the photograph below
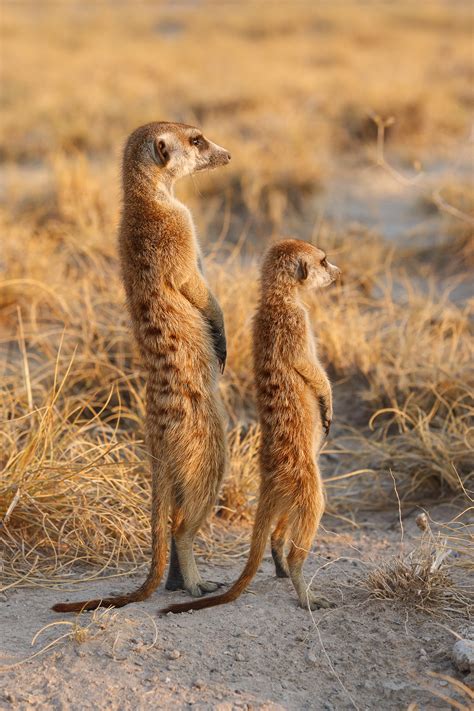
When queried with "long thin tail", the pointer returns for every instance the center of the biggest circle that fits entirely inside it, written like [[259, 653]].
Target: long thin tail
[[159, 523], [261, 531]]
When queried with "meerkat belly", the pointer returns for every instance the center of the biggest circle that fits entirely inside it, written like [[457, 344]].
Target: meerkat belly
[[174, 326], [287, 418], [175, 344]]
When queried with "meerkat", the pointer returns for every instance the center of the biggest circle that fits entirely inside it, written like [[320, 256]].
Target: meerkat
[[179, 327], [294, 404]]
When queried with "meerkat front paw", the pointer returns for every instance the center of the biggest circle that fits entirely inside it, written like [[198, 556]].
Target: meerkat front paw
[[325, 409], [326, 423], [220, 347]]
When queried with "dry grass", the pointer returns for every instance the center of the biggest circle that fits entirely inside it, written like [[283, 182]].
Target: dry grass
[[110, 628], [74, 484], [298, 86], [421, 579], [458, 696], [455, 244]]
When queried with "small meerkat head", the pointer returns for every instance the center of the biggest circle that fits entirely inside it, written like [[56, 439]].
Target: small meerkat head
[[170, 151], [293, 264]]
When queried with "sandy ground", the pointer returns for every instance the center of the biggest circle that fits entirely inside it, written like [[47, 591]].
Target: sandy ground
[[259, 652]]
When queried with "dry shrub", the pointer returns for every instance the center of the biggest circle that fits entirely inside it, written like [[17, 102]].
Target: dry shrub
[[421, 579]]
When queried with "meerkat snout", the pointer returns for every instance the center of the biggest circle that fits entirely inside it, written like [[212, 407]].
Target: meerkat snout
[[334, 271], [213, 157], [314, 271]]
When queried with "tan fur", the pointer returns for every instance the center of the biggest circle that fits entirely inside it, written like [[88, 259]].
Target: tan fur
[[295, 410], [179, 328]]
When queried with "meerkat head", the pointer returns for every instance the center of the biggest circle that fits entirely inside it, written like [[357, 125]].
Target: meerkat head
[[170, 151], [296, 264]]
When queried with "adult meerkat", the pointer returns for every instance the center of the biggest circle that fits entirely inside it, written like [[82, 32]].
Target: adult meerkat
[[179, 328], [294, 404]]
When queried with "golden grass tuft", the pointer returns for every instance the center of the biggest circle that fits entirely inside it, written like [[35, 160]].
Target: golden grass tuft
[[421, 579]]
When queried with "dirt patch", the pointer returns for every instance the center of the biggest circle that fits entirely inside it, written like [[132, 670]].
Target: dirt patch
[[260, 652]]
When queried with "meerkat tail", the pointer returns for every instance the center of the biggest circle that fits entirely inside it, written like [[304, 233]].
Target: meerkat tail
[[157, 566], [261, 532]]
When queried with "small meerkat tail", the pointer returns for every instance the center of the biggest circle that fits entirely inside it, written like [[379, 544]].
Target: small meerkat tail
[[261, 532], [157, 566]]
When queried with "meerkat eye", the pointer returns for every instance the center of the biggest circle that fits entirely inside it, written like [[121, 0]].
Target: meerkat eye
[[324, 262], [196, 141]]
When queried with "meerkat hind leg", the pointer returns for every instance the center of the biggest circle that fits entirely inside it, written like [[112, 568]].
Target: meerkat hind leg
[[192, 581], [307, 598], [278, 540], [302, 538]]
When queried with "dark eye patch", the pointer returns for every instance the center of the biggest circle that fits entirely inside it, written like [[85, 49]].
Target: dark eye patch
[[198, 141], [324, 262]]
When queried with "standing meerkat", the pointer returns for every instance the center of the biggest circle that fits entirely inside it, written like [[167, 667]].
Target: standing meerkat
[[294, 405], [179, 328]]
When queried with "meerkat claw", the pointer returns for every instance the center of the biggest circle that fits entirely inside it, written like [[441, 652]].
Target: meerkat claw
[[202, 587], [317, 602], [208, 586]]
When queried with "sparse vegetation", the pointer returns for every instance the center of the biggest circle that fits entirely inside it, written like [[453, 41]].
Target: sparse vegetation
[[73, 474], [420, 579], [349, 124]]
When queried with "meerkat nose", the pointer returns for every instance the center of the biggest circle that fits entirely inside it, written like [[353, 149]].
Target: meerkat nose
[[229, 156]]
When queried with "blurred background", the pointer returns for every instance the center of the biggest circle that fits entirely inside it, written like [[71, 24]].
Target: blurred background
[[350, 125]]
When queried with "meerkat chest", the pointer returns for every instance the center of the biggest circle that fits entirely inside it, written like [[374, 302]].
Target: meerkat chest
[[187, 218], [310, 340]]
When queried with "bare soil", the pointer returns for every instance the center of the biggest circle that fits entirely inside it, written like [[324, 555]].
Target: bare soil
[[262, 651]]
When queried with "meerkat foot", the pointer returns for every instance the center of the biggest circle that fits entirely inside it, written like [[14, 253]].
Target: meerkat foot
[[312, 601], [201, 588], [208, 586]]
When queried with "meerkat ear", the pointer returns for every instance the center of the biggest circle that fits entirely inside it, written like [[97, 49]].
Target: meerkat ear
[[159, 152], [302, 270]]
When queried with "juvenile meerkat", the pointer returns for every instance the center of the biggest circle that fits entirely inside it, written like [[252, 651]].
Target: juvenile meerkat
[[294, 405], [179, 328]]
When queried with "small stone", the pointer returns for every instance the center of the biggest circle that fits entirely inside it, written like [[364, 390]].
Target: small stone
[[394, 685], [463, 655], [174, 654], [422, 521], [239, 657], [469, 681], [199, 684], [311, 657], [467, 632], [443, 682]]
